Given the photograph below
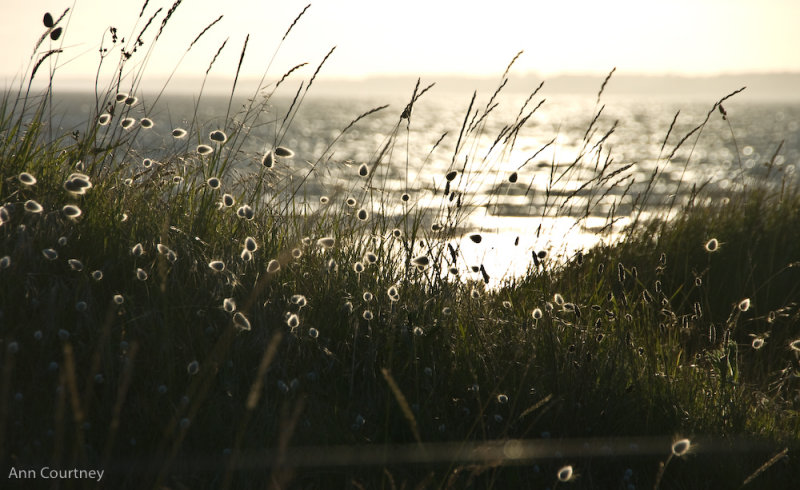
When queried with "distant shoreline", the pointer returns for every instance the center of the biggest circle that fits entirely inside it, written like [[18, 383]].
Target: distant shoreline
[[773, 86]]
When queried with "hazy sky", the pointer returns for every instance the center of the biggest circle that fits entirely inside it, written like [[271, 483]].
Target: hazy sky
[[430, 36]]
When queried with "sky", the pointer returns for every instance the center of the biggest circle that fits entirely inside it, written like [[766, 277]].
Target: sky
[[413, 37]]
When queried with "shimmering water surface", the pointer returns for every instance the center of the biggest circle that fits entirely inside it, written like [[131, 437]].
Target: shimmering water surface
[[561, 197]]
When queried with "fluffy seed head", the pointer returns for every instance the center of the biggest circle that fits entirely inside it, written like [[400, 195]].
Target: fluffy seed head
[[120, 97], [228, 200], [245, 212], [118, 299], [218, 136], [757, 343], [298, 299], [104, 119], [178, 133], [418, 332], [397, 233], [565, 474], [269, 160], [217, 265], [240, 321], [370, 257], [324, 200], [712, 245], [5, 262], [146, 123], [536, 314], [351, 201], [363, 214], [141, 274], [313, 333], [744, 305], [162, 249], [131, 100], [367, 315], [71, 211], [293, 321], [75, 265], [214, 183], [77, 184], [421, 261], [451, 175], [50, 254], [273, 266], [246, 255], [32, 206], [326, 242], [204, 150], [393, 293], [297, 253], [137, 250], [367, 296], [363, 170], [26, 179], [681, 447], [358, 267], [476, 237], [127, 123], [97, 275], [229, 305], [283, 152], [501, 398], [405, 197], [250, 244]]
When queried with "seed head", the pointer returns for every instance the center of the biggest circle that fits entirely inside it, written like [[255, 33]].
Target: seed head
[[367, 315], [75, 265], [712, 245], [757, 343], [370, 257], [250, 244], [283, 152], [228, 200], [367, 296], [131, 100], [229, 305], [293, 321], [137, 250], [5, 262], [268, 160], [537, 314], [26, 179], [418, 332], [104, 119], [218, 136], [393, 294], [71, 211], [240, 321], [50, 254], [141, 274], [501, 398], [118, 299], [32, 206], [97, 275], [246, 212], [273, 266], [681, 447], [298, 299], [326, 242], [204, 150], [146, 123], [77, 184], [421, 261], [214, 183], [795, 345], [358, 267], [324, 200], [397, 233], [744, 305], [363, 170], [246, 255], [476, 237], [127, 123], [363, 214], [120, 97], [217, 265], [193, 368], [565, 474], [178, 133]]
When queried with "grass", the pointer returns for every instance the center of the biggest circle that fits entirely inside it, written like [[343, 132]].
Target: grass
[[177, 341]]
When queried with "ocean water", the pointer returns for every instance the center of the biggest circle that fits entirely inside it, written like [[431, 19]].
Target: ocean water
[[573, 187]]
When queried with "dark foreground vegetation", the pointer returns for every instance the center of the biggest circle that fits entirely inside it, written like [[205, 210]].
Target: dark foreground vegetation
[[192, 322]]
